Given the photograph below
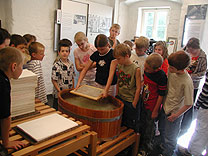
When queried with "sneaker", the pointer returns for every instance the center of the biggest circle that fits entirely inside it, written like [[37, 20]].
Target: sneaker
[[183, 151], [142, 153]]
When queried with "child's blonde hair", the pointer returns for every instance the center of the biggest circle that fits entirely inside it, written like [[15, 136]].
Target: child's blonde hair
[[35, 47], [180, 60], [8, 56], [80, 36], [122, 50], [154, 60], [116, 26], [142, 42], [163, 45]]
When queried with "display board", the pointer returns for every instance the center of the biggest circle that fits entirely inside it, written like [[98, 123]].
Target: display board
[[73, 18]]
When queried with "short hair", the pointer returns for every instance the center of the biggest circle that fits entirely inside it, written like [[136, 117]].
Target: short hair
[[142, 42], [80, 36], [193, 43], [101, 40], [116, 26], [29, 37], [122, 50], [8, 56], [4, 34], [154, 60], [164, 48], [130, 43], [35, 47], [64, 43], [17, 40], [180, 60]]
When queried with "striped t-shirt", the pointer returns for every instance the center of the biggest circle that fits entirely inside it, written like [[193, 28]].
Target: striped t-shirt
[[40, 90]]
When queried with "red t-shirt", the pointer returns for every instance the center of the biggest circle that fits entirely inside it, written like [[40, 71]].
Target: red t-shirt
[[165, 66]]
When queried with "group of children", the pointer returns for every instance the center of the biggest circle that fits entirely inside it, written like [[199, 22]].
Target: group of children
[[154, 87]]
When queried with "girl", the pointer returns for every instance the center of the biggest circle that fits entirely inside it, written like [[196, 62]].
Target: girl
[[102, 57], [161, 48], [82, 55]]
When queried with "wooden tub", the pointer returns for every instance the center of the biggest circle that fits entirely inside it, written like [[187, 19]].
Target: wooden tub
[[106, 123]]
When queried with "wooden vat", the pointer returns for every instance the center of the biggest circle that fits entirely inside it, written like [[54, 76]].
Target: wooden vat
[[106, 123]]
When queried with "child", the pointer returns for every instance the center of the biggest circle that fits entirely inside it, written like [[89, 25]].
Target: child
[[20, 43], [11, 61], [155, 83], [36, 50], [199, 139], [29, 38], [114, 32], [103, 57], [161, 48], [130, 43], [142, 44], [4, 38], [178, 99], [82, 55], [196, 70], [128, 84], [62, 72]]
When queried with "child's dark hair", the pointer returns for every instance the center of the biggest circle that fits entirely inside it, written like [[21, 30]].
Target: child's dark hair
[[101, 40], [4, 34], [193, 43], [64, 43], [17, 40], [122, 50], [29, 37], [180, 60], [130, 43]]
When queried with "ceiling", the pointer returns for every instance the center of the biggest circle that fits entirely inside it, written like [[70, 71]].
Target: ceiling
[[133, 1]]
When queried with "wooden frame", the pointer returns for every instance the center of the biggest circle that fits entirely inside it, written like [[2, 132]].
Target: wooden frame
[[172, 44], [95, 93]]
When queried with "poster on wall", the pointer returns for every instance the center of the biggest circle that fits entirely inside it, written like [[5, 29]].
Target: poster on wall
[[99, 20], [197, 11]]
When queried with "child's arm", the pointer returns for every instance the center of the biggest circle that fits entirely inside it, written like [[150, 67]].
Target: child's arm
[[114, 43], [5, 127], [55, 85], [83, 73], [78, 65], [157, 106], [181, 111], [138, 87], [112, 70]]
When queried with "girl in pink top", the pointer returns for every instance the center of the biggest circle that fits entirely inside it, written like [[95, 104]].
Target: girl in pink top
[[82, 55]]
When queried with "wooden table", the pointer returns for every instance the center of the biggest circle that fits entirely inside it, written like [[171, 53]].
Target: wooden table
[[60, 145]]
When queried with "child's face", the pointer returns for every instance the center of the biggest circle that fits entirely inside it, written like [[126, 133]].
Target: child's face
[[17, 71], [159, 50], [64, 53], [39, 55], [82, 44], [22, 47], [114, 33], [148, 69], [5, 44], [192, 51], [140, 51], [122, 59], [103, 50]]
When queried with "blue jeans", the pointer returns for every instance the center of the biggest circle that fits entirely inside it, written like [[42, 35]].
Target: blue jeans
[[171, 135]]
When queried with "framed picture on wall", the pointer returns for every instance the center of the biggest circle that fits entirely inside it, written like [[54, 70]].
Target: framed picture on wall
[[172, 44]]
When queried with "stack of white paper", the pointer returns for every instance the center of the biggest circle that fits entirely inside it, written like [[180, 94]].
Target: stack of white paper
[[23, 93], [47, 126]]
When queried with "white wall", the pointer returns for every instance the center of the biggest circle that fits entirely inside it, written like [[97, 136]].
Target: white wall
[[128, 17]]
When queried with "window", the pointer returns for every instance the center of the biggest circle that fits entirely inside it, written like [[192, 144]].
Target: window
[[154, 23]]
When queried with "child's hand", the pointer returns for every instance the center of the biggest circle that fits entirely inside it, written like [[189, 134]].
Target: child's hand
[[134, 104], [172, 117], [154, 115], [15, 145], [104, 94]]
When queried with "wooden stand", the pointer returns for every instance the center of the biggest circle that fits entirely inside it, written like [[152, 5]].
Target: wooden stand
[[63, 144]]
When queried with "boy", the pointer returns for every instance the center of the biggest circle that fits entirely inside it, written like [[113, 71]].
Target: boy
[[178, 99], [155, 83], [36, 50], [62, 72], [4, 38], [11, 62], [20, 43], [114, 32], [128, 84], [142, 44], [199, 139]]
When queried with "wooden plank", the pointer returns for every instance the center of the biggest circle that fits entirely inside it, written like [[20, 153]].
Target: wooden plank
[[136, 145], [93, 143]]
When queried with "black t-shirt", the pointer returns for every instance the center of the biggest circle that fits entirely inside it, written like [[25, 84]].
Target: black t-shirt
[[103, 66], [5, 98]]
